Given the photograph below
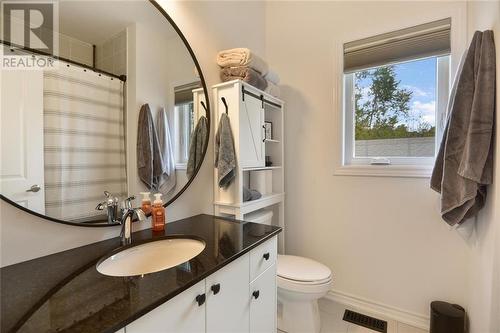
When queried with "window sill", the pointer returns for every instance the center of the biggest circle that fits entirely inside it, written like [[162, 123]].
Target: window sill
[[410, 171], [181, 166]]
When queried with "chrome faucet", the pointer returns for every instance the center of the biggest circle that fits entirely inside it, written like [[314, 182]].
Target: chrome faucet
[[128, 214], [111, 206]]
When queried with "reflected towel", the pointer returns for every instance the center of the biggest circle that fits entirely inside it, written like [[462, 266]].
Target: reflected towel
[[168, 178], [247, 74], [148, 150], [197, 144], [272, 76], [273, 89], [241, 57], [464, 164], [225, 155]]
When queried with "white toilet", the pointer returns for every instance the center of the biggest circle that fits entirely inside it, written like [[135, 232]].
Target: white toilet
[[301, 282]]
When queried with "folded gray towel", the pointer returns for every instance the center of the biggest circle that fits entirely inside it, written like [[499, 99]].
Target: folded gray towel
[[245, 73], [148, 150], [464, 164], [225, 155], [196, 145], [249, 194]]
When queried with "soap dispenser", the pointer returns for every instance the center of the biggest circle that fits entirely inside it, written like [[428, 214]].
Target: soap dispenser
[[158, 216], [146, 202]]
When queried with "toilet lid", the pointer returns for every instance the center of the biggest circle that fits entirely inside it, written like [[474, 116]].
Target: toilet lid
[[301, 269]]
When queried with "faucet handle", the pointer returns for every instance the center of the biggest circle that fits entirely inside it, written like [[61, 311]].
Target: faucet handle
[[140, 215], [101, 205], [128, 202]]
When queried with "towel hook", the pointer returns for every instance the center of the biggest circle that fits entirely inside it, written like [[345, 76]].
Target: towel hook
[[223, 99], [204, 106]]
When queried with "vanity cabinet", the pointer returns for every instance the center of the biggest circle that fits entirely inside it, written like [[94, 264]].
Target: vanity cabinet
[[183, 313], [263, 302], [229, 300]]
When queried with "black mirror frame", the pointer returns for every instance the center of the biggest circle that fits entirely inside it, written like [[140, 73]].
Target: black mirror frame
[[195, 173]]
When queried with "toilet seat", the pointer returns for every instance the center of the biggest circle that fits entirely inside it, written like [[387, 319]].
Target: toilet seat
[[302, 275]]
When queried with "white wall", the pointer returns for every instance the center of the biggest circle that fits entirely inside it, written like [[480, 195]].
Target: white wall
[[24, 236], [383, 238], [484, 289]]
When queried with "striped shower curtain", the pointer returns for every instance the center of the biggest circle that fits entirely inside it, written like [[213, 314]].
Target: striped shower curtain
[[84, 141]]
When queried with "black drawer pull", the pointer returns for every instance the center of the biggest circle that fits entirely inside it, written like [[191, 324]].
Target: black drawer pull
[[215, 288], [200, 299], [256, 294], [266, 256]]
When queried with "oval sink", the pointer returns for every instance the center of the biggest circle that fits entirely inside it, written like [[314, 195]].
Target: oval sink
[[151, 257]]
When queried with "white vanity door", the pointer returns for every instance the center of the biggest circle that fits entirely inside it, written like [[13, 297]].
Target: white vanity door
[[21, 138], [181, 314], [228, 305], [263, 302], [251, 135]]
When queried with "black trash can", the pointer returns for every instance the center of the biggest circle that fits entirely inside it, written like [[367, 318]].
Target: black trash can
[[447, 318]]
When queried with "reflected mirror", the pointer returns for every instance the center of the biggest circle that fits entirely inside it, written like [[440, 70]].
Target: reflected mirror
[[117, 106]]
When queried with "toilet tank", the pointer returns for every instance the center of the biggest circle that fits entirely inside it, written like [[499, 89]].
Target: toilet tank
[[261, 216]]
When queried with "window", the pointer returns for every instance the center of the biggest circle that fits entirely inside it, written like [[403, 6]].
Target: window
[[395, 95], [184, 121]]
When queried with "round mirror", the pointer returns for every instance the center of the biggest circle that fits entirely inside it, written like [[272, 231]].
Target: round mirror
[[103, 102]]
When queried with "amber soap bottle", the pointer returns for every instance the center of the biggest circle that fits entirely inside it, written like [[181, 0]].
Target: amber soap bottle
[[146, 202], [158, 214]]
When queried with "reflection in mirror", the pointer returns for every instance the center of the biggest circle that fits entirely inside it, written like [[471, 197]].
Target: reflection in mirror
[[119, 110]]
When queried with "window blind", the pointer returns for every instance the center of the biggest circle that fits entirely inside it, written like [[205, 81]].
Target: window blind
[[184, 93], [425, 40]]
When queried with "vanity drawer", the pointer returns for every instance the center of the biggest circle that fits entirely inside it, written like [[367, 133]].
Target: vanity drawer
[[262, 257]]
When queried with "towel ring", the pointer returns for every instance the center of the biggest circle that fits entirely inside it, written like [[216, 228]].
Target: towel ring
[[223, 99]]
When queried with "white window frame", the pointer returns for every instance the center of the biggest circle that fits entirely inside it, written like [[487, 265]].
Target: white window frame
[[399, 166], [181, 147]]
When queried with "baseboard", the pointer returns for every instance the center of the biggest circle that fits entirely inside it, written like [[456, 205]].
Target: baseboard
[[375, 308]]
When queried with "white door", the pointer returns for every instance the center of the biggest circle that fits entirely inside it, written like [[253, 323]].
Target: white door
[[227, 298], [182, 314], [263, 302], [252, 145], [21, 138]]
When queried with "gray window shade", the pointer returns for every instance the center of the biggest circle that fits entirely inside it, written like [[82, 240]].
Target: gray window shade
[[425, 40], [184, 93]]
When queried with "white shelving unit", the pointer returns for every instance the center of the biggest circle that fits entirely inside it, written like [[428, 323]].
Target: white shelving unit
[[248, 110]]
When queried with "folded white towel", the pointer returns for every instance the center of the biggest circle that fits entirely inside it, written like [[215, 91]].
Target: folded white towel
[[273, 89], [272, 76], [241, 57]]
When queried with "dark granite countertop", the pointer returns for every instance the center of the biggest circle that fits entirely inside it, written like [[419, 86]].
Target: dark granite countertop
[[63, 292]]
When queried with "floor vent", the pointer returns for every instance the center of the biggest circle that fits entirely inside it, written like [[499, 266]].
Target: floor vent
[[365, 321]]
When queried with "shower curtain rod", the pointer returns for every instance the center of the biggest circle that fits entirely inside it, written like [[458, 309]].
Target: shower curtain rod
[[30, 50]]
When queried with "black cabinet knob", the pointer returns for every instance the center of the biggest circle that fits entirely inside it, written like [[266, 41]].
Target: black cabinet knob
[[256, 294], [200, 299], [215, 288], [266, 256]]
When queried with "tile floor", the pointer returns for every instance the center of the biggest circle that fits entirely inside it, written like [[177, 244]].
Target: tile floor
[[331, 321]]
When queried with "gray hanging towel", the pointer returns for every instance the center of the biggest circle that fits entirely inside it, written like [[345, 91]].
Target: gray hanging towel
[[464, 164], [196, 145], [225, 156], [148, 150]]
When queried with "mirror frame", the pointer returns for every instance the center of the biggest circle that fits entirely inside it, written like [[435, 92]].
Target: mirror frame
[[198, 167]]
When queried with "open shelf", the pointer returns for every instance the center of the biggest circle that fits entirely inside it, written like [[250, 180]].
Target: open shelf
[[262, 168], [253, 205]]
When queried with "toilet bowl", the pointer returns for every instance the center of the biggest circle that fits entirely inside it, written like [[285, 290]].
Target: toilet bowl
[[301, 282]]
